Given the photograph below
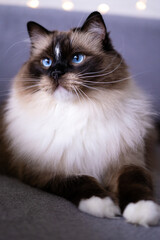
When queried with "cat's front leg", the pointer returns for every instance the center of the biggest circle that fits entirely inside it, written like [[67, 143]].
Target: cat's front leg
[[86, 193], [136, 199]]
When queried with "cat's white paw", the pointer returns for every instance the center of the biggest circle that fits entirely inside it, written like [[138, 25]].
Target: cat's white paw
[[144, 213], [99, 207]]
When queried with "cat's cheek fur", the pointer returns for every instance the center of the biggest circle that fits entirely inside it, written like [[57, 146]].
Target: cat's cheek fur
[[99, 207], [143, 213]]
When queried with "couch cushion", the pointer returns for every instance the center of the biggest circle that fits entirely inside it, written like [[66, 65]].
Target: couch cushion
[[28, 213]]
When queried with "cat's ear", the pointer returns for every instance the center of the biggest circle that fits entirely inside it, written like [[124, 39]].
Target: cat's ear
[[37, 33], [95, 24], [35, 30]]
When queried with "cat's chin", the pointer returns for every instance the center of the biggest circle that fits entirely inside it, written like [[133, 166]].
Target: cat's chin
[[62, 94]]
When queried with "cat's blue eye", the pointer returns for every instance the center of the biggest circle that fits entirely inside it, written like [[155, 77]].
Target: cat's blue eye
[[78, 58], [47, 62]]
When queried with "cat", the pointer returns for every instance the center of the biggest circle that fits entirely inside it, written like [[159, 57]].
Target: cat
[[77, 125]]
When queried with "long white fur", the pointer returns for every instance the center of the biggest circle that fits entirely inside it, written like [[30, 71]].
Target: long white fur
[[144, 213], [99, 207], [78, 137]]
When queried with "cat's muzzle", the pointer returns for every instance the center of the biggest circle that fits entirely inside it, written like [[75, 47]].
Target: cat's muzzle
[[55, 75]]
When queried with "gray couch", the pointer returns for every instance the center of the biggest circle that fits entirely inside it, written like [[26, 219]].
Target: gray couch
[[28, 213]]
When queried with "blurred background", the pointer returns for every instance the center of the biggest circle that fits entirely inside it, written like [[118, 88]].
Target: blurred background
[[137, 8]]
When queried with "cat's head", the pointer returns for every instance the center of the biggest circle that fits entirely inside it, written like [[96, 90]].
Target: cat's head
[[71, 65]]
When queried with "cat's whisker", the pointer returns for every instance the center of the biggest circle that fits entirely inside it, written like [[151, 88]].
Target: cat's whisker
[[26, 40], [17, 57], [5, 94], [26, 88], [85, 95], [120, 80], [5, 80], [89, 87], [5, 91], [81, 94], [24, 78], [75, 90], [103, 70], [103, 74], [116, 81], [76, 31], [29, 80]]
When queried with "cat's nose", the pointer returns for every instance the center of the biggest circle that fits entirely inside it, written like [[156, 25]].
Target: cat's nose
[[56, 74]]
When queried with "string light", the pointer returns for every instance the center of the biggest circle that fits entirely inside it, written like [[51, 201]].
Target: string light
[[33, 3], [67, 5], [141, 5], [103, 8]]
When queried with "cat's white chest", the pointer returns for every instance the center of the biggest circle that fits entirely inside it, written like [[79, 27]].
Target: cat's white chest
[[69, 138]]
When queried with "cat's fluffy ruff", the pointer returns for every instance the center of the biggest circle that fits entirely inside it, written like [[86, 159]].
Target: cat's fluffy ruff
[[82, 137]]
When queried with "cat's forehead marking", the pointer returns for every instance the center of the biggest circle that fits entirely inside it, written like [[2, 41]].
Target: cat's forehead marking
[[57, 51]]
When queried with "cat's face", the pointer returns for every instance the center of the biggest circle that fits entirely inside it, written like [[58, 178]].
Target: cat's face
[[71, 65]]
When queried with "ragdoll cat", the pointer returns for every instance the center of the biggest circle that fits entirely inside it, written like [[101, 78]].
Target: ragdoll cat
[[76, 125]]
